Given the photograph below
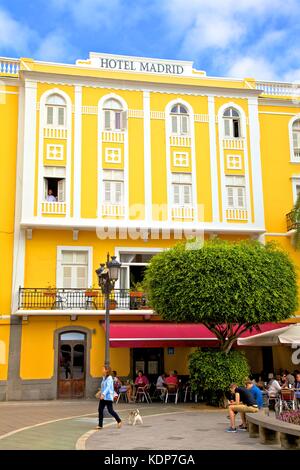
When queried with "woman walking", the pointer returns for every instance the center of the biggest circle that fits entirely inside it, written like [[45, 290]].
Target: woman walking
[[107, 397]]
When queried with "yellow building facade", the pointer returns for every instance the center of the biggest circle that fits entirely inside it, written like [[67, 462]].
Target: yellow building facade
[[125, 155]]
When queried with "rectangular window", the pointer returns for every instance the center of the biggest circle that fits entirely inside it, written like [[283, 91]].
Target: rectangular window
[[113, 186], [113, 155], [54, 189], [74, 266], [181, 159], [236, 192], [55, 152], [61, 116], [115, 120], [234, 162], [180, 124], [182, 188], [174, 124]]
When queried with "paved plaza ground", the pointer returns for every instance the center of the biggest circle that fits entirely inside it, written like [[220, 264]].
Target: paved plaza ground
[[71, 425]]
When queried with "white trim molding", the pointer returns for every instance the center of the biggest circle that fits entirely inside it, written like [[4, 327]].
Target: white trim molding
[[213, 160], [60, 249], [77, 151], [124, 140], [147, 157], [190, 143], [257, 185], [243, 127], [292, 152], [68, 128]]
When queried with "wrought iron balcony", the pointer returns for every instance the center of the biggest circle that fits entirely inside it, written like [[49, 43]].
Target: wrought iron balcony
[[79, 299], [291, 221]]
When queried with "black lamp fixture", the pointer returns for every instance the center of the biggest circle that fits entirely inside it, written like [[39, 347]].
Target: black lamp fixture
[[108, 273]]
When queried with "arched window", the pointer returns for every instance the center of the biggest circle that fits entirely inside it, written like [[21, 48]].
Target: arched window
[[232, 123], [56, 111], [296, 139], [180, 119], [114, 116]]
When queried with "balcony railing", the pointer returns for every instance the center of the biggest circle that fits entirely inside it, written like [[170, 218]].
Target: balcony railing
[[9, 66], [183, 212], [278, 88], [79, 299], [113, 210], [236, 214], [180, 141], [56, 208], [234, 143], [291, 222]]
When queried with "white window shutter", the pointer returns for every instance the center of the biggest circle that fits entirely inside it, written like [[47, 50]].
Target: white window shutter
[[45, 188], [174, 125], [124, 117], [61, 190], [81, 276], [187, 192], [241, 197], [50, 115], [230, 196], [107, 191], [184, 124], [176, 193], [67, 277], [118, 192], [227, 125], [107, 124], [61, 116]]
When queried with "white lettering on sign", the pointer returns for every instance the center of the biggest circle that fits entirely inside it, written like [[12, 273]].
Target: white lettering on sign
[[139, 65]]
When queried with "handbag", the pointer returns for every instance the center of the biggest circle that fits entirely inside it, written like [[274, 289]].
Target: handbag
[[98, 394], [115, 396]]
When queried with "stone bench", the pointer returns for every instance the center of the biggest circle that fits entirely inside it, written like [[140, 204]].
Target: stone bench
[[270, 430]]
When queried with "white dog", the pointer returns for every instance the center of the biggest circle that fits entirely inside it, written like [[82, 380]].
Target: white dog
[[134, 417]]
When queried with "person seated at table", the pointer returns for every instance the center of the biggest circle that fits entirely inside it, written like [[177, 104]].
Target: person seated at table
[[273, 390], [290, 379], [117, 381], [160, 385], [141, 379], [256, 393], [172, 379]]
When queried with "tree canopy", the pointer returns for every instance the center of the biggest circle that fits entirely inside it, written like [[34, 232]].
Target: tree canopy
[[230, 287]]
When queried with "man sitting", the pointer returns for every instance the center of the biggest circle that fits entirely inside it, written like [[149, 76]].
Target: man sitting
[[244, 403], [172, 379]]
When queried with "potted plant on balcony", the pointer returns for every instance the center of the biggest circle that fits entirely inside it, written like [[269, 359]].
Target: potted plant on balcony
[[136, 290], [50, 291], [112, 304], [91, 292]]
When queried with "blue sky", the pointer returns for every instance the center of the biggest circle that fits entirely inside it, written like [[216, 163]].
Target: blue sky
[[240, 38]]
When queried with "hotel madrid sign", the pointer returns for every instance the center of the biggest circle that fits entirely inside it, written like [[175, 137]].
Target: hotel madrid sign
[[118, 63]]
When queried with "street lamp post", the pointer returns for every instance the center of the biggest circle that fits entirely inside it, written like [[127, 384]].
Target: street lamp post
[[108, 274]]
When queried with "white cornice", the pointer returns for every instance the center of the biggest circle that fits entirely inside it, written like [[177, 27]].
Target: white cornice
[[136, 85], [290, 103]]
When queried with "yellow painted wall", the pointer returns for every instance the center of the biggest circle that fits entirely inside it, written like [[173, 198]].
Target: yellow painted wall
[[179, 361], [8, 139]]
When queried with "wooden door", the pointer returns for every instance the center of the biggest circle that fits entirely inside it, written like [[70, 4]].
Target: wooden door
[[71, 366]]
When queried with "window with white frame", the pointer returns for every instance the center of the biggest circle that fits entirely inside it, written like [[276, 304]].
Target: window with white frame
[[234, 162], [232, 123], [181, 159], [113, 187], [182, 189], [236, 192], [55, 189], [55, 152], [113, 155], [296, 139], [73, 269], [179, 120], [55, 111], [114, 117]]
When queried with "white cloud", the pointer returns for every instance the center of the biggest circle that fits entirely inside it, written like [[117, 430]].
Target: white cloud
[[14, 35], [255, 67], [55, 46], [92, 13]]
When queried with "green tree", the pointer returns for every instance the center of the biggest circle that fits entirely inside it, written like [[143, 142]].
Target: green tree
[[232, 368], [228, 287]]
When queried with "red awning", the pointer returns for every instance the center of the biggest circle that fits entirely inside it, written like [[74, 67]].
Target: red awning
[[160, 334]]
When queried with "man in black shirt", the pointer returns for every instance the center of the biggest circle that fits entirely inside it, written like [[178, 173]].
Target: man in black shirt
[[244, 402]]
